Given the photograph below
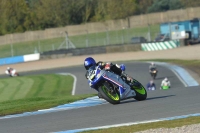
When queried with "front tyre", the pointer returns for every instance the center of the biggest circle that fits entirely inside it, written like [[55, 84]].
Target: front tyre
[[109, 94], [141, 93]]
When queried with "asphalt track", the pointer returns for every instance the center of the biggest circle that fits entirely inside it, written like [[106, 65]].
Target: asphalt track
[[179, 100]]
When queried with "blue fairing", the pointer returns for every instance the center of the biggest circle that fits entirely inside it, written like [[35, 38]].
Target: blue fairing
[[105, 75]]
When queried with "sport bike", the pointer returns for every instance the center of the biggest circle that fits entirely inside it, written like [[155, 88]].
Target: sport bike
[[165, 86], [12, 73], [153, 73], [112, 87]]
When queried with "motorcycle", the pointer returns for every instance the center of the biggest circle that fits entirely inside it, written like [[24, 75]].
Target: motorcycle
[[12, 73], [153, 73], [165, 86], [112, 87]]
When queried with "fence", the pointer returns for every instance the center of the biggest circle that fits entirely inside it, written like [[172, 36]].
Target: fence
[[107, 37]]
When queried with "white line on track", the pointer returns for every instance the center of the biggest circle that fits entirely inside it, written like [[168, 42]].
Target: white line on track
[[75, 80]]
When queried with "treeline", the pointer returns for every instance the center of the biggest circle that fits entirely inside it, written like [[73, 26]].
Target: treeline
[[26, 15]]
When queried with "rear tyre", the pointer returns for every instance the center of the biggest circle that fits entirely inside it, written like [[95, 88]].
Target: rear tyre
[[141, 93], [109, 94]]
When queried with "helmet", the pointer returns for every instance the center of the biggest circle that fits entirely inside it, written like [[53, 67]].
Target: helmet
[[152, 64], [123, 67], [151, 81], [89, 62], [8, 68], [166, 79]]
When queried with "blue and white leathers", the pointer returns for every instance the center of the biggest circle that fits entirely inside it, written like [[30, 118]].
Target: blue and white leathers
[[95, 75]]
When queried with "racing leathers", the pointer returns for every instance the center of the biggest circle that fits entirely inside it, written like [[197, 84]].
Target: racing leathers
[[151, 67], [165, 83]]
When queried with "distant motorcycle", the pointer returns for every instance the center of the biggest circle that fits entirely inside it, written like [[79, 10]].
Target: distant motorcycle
[[12, 73], [112, 87], [165, 86], [153, 73]]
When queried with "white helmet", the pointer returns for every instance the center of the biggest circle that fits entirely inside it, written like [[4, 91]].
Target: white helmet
[[152, 64], [166, 79], [8, 68]]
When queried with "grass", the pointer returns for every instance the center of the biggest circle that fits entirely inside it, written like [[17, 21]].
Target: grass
[[80, 41], [30, 93]]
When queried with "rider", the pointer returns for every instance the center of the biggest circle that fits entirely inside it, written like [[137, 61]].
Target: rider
[[152, 66], [151, 85], [165, 82], [119, 70], [10, 71]]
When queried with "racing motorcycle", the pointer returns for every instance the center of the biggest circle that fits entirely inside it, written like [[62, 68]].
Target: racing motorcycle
[[12, 73], [112, 87], [153, 73], [165, 86]]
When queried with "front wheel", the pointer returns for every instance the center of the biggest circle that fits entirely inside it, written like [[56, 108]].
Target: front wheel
[[141, 93], [109, 93], [153, 75]]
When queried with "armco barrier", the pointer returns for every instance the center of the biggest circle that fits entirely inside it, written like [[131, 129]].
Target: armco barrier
[[153, 46], [19, 59]]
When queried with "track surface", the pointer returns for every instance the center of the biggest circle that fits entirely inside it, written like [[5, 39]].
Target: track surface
[[179, 100]]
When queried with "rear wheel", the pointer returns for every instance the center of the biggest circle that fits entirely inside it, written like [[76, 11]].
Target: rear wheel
[[141, 93], [109, 93]]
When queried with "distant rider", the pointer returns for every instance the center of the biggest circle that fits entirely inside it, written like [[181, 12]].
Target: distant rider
[[152, 66], [10, 71], [165, 82], [151, 85]]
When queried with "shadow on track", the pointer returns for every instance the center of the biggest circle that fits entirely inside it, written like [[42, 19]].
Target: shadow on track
[[160, 97]]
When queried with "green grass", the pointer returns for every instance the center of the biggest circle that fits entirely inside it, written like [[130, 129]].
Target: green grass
[[80, 41], [30, 93]]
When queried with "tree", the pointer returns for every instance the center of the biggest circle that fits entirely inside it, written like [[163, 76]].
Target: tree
[[190, 3], [165, 5], [114, 9], [175, 4], [143, 5], [13, 16]]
